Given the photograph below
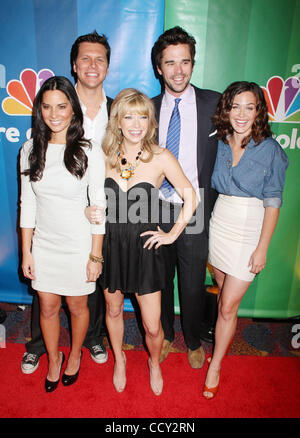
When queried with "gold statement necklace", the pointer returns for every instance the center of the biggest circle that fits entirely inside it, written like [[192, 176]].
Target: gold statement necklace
[[127, 169]]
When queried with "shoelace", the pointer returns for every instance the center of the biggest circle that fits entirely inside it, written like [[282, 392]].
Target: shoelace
[[31, 357], [97, 349]]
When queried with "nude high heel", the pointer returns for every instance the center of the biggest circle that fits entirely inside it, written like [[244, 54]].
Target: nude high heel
[[156, 388], [120, 386]]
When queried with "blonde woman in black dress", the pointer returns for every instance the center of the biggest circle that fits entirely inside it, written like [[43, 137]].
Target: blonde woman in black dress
[[133, 247]]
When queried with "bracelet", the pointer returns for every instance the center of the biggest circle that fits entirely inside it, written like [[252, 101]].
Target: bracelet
[[96, 259]]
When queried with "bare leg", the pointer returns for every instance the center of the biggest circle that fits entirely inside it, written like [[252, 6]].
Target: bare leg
[[150, 305], [232, 292], [219, 277], [50, 326], [79, 323], [115, 326]]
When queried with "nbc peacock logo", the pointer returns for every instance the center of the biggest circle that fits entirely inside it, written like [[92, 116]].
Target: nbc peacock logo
[[22, 92], [283, 99]]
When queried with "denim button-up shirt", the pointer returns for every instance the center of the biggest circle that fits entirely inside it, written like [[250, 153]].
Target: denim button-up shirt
[[260, 173]]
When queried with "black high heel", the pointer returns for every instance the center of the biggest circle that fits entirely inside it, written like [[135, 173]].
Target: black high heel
[[69, 379], [51, 386]]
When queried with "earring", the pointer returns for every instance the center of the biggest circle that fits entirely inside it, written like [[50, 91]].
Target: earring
[[120, 134]]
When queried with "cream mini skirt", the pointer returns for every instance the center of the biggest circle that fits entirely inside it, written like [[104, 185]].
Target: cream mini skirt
[[234, 232]]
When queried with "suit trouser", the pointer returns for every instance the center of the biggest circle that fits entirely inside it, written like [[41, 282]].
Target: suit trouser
[[189, 255], [95, 331]]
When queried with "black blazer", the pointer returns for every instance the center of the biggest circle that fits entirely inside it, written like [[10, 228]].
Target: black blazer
[[206, 103], [108, 104]]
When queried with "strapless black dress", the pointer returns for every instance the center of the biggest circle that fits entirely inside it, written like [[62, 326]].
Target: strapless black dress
[[127, 265]]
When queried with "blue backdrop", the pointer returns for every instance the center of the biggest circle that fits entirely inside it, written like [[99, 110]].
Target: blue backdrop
[[37, 35]]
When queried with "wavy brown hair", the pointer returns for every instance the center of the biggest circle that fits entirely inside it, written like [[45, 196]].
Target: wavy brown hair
[[129, 101], [260, 127]]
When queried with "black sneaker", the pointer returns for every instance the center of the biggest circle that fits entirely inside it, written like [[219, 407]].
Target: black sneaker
[[29, 363], [98, 353]]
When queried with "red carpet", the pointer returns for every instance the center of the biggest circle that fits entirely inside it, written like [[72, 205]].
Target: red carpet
[[252, 387]]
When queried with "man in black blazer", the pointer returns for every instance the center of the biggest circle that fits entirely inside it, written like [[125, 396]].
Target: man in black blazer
[[90, 55], [173, 56]]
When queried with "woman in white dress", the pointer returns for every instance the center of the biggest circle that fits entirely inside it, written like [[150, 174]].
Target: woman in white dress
[[61, 252], [249, 176]]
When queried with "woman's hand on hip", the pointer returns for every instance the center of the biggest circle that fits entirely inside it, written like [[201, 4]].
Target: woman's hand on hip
[[158, 238]]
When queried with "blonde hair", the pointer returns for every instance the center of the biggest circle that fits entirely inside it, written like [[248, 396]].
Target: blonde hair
[[129, 101]]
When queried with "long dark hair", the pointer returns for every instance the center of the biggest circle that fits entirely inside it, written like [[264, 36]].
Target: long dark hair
[[75, 158], [260, 128]]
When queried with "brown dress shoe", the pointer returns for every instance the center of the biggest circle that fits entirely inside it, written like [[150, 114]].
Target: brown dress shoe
[[196, 357], [166, 346]]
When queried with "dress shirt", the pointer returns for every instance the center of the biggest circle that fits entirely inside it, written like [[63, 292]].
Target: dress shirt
[[187, 156], [260, 173], [95, 129]]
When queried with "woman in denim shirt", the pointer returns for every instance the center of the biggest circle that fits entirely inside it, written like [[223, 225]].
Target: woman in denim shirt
[[249, 176]]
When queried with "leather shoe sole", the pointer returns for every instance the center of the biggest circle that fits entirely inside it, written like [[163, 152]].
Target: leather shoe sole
[[196, 358], [166, 347]]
